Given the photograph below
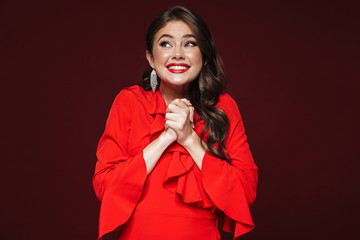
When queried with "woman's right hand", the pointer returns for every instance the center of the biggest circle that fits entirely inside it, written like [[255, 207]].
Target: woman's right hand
[[170, 134]]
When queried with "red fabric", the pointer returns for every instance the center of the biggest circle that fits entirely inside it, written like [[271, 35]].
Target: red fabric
[[120, 180], [162, 214]]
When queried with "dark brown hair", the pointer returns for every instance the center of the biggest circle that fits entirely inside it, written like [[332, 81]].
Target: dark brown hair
[[205, 90]]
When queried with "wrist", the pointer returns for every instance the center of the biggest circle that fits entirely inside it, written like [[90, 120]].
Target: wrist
[[167, 137], [192, 141]]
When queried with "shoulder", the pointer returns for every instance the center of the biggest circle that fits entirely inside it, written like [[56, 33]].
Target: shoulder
[[226, 100], [129, 96], [229, 106], [136, 98], [128, 93], [125, 100]]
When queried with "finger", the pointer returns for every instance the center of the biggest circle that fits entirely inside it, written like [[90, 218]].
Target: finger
[[172, 107], [186, 101], [180, 120], [175, 101], [179, 103], [166, 126], [172, 124], [173, 116], [191, 117], [191, 108]]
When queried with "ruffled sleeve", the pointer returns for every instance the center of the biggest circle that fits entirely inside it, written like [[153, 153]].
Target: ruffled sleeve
[[232, 187], [119, 175]]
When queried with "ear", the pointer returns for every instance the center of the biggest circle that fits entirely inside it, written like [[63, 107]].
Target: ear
[[150, 58]]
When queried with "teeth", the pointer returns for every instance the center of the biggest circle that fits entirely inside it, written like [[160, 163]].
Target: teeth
[[178, 67]]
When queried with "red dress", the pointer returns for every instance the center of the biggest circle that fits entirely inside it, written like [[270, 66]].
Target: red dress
[[176, 200]]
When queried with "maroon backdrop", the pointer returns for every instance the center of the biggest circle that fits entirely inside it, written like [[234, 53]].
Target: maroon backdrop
[[290, 67]]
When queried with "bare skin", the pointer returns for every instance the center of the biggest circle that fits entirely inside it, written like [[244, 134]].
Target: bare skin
[[178, 128], [175, 43]]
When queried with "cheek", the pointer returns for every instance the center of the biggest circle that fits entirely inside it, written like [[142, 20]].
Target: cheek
[[160, 57], [195, 58]]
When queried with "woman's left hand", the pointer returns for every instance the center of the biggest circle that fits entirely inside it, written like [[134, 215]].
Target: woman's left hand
[[179, 116]]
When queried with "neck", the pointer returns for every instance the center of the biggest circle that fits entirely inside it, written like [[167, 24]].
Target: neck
[[172, 92]]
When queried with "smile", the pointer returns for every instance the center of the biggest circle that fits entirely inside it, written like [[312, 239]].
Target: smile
[[177, 68]]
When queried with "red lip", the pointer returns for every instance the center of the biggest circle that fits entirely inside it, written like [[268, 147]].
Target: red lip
[[177, 70]]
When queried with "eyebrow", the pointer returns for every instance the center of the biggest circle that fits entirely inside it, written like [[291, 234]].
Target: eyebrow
[[169, 36]]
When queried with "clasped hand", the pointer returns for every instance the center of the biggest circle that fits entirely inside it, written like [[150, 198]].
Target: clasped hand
[[179, 122]]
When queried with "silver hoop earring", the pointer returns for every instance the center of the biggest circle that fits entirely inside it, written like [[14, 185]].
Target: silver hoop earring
[[153, 80]]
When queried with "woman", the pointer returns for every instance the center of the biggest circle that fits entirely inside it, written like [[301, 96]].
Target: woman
[[174, 155]]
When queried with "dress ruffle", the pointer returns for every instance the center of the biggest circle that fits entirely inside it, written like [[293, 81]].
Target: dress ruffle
[[184, 179]]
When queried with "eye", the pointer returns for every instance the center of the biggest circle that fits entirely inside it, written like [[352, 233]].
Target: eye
[[190, 44], [165, 44]]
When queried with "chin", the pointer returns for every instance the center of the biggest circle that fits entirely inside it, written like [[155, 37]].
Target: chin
[[178, 82]]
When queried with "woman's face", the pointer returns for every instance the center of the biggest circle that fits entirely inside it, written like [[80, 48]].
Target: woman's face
[[176, 57]]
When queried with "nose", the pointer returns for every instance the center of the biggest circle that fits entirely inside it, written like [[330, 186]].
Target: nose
[[178, 53]]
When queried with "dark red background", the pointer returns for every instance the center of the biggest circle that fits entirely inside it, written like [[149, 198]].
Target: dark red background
[[291, 68]]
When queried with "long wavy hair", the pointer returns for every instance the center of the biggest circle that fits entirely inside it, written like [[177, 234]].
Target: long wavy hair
[[205, 90]]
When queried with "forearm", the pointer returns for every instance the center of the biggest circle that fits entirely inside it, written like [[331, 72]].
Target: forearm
[[195, 149], [155, 149]]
